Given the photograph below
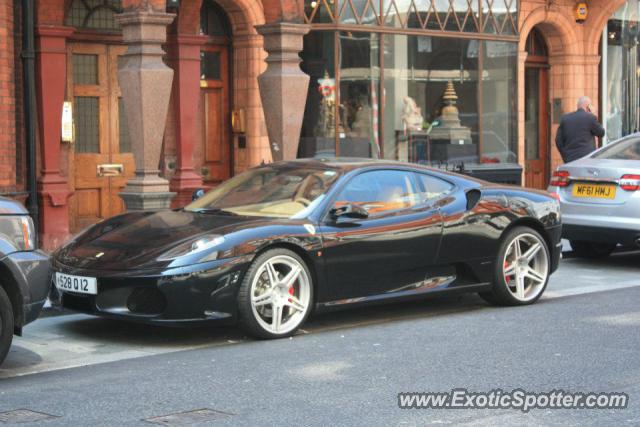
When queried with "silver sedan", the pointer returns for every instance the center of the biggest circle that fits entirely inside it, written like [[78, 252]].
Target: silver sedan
[[600, 198]]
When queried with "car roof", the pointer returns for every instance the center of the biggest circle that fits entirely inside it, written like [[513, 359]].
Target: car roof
[[347, 164], [350, 163]]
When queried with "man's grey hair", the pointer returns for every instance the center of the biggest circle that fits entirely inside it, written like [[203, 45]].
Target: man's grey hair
[[584, 102]]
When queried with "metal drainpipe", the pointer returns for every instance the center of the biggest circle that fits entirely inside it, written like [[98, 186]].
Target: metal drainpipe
[[29, 94]]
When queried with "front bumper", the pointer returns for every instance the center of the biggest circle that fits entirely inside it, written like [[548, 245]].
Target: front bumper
[[176, 296], [30, 272], [555, 246]]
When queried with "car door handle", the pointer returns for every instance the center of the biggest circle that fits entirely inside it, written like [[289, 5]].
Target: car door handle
[[107, 169]]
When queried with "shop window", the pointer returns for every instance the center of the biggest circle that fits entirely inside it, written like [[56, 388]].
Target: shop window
[[320, 121], [498, 103], [388, 80], [94, 14], [431, 108], [621, 92], [421, 99], [358, 123]]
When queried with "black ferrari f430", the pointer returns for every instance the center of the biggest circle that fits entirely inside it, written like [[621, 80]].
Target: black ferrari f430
[[277, 242]]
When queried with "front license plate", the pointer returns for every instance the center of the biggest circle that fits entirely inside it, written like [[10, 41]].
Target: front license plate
[[79, 284], [598, 191]]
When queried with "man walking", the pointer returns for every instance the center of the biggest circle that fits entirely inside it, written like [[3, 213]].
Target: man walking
[[575, 137]]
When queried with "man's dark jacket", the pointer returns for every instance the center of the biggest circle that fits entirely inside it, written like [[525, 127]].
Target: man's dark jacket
[[575, 137]]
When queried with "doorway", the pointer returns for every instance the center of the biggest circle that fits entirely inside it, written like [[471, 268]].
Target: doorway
[[215, 77], [101, 160], [536, 113]]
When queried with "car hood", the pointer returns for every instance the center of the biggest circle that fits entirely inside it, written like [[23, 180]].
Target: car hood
[[136, 240]]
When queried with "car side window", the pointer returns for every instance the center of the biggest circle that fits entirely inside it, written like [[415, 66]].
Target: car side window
[[626, 149], [432, 187], [380, 191]]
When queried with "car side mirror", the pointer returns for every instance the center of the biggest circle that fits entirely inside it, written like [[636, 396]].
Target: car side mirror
[[197, 194], [350, 210]]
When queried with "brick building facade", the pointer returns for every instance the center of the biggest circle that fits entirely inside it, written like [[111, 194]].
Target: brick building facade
[[10, 104], [216, 124]]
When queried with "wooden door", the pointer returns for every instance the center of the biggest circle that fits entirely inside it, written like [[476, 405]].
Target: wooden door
[[101, 160], [536, 139], [216, 114]]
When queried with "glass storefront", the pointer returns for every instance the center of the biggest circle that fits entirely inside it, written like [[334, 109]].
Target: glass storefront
[[621, 72], [399, 85]]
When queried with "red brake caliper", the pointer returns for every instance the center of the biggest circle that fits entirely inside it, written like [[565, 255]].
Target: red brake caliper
[[507, 278]]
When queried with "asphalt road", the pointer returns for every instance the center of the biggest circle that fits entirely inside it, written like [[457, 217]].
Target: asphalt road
[[346, 368]]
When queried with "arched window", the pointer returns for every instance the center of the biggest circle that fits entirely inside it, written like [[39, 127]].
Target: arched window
[[536, 45], [94, 14], [214, 21]]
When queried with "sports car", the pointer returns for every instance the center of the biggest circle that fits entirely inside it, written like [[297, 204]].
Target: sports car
[[280, 241]]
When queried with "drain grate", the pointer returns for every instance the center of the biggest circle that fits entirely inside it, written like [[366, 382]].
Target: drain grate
[[189, 417], [24, 416]]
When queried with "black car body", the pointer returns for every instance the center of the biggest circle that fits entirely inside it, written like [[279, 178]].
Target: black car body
[[24, 273], [448, 243]]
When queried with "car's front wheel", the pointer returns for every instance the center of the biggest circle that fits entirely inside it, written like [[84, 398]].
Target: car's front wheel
[[592, 250], [276, 295], [522, 268], [6, 324]]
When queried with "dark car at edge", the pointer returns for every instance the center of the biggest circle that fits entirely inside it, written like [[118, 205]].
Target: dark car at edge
[[279, 241], [24, 273]]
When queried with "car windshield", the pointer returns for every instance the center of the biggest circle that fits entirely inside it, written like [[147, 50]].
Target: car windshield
[[269, 191], [627, 149]]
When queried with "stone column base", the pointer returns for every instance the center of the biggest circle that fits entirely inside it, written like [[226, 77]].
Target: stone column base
[[146, 201], [283, 87]]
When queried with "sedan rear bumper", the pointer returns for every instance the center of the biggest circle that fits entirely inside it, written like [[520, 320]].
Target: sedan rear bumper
[[178, 296], [592, 233]]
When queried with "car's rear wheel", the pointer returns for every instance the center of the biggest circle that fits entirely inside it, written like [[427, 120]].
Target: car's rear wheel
[[276, 295], [592, 250], [6, 324], [522, 268]]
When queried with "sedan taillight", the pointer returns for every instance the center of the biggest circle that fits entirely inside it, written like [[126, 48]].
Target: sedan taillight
[[630, 182], [560, 179]]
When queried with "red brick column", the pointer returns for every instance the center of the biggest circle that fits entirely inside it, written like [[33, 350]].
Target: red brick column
[[184, 56], [53, 189], [7, 99]]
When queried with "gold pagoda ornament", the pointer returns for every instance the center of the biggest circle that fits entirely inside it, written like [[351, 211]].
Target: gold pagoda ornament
[[450, 127]]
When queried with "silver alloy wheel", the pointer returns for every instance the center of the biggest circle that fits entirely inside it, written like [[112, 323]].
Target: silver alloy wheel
[[525, 267], [280, 294]]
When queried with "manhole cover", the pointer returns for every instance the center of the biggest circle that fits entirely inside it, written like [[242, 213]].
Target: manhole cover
[[189, 417], [24, 416]]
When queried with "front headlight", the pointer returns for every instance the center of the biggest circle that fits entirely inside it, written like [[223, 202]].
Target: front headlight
[[18, 230], [194, 247]]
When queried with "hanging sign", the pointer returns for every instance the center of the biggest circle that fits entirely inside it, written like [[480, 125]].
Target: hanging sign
[[581, 12], [67, 121]]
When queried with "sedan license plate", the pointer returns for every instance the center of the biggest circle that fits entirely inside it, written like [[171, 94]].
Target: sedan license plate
[[82, 285], [598, 191]]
